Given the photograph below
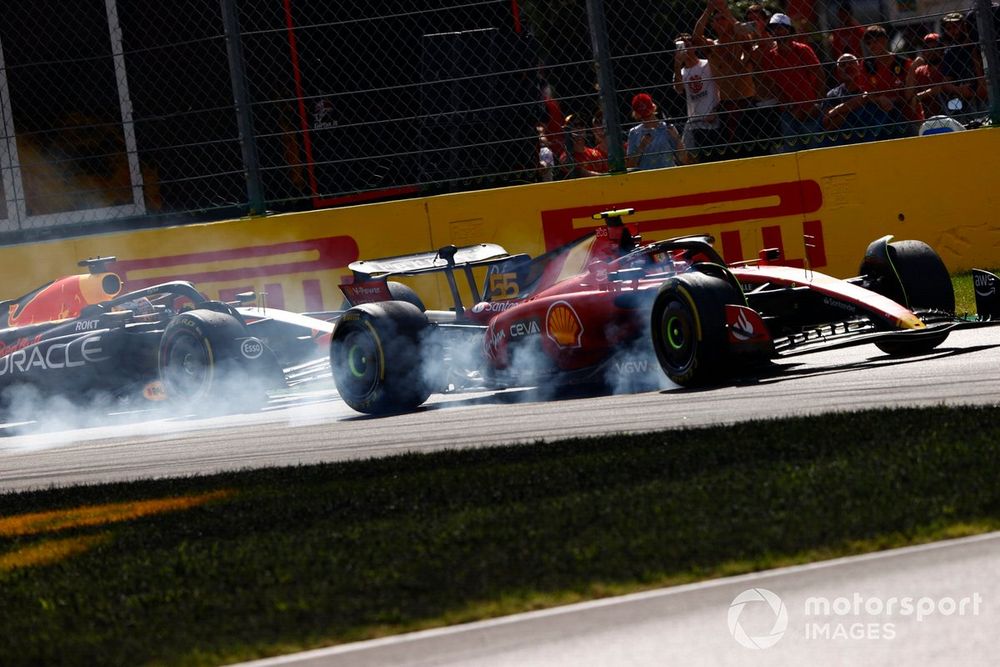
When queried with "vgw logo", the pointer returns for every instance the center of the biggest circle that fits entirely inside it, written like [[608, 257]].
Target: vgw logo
[[756, 595]]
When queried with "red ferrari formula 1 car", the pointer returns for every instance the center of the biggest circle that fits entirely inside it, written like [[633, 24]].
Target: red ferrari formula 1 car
[[608, 305], [83, 336]]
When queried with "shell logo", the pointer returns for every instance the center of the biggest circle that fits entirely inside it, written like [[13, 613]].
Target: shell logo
[[563, 325]]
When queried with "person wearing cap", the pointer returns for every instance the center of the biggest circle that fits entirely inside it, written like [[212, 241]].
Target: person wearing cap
[[933, 88], [652, 143], [795, 76], [850, 114], [693, 79], [732, 66], [961, 61], [887, 73]]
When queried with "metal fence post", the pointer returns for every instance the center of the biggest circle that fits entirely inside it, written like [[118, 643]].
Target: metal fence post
[[241, 99], [988, 43], [606, 79]]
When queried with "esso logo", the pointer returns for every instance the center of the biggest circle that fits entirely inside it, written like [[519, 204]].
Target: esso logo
[[251, 348]]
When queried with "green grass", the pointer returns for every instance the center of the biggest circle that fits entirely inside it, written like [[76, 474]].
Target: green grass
[[270, 561], [965, 298]]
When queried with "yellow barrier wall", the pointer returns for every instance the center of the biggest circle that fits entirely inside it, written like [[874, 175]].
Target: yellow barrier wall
[[939, 189]]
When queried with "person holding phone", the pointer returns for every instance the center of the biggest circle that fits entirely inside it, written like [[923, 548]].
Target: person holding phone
[[653, 143], [693, 79]]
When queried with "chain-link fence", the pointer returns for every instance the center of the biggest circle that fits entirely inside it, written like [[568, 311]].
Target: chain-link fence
[[132, 113]]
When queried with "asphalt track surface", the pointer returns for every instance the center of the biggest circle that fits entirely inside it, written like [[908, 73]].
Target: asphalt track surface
[[316, 427]]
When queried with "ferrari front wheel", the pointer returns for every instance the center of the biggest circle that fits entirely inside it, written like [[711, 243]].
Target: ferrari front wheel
[[688, 327]]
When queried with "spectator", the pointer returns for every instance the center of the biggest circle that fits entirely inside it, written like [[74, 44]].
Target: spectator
[[546, 156], [849, 111], [795, 76], [581, 159], [693, 79], [758, 16], [849, 36], [600, 136], [886, 73], [729, 57], [652, 143], [767, 114], [932, 88], [962, 63]]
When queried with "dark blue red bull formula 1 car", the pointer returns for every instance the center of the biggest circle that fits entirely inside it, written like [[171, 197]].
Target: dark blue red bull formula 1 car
[[83, 336], [609, 305]]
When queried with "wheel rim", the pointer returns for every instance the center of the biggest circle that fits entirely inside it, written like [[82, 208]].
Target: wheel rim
[[675, 333], [357, 363], [189, 367], [677, 330]]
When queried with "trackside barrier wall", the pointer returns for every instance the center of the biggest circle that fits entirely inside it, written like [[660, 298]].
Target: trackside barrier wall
[[821, 207]]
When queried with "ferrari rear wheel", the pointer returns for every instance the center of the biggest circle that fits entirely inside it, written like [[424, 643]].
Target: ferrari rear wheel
[[377, 354], [688, 325]]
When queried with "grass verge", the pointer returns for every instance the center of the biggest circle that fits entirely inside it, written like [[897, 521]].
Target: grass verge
[[965, 298], [221, 568]]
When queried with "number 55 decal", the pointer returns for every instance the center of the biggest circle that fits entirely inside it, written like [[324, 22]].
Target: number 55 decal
[[504, 286]]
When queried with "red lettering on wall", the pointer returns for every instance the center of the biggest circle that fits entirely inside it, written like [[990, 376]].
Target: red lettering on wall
[[732, 247], [794, 198], [313, 294], [771, 236], [229, 293], [812, 231], [332, 253], [274, 295]]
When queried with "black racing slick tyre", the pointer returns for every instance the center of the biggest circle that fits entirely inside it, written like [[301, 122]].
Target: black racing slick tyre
[[921, 281], [688, 326], [205, 360], [401, 292], [922, 276], [377, 357]]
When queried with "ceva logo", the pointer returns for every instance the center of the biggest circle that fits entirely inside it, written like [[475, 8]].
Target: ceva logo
[[756, 595]]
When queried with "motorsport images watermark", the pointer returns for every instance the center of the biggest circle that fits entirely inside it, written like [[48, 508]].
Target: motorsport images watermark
[[858, 617]]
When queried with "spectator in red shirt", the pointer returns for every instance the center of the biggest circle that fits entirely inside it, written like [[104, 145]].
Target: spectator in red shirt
[[886, 72], [795, 76], [581, 159], [933, 89], [849, 36]]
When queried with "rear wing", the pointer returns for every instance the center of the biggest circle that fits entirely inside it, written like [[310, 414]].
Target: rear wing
[[429, 262], [368, 282]]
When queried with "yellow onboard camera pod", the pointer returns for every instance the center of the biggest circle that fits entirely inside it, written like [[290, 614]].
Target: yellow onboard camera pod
[[616, 213]]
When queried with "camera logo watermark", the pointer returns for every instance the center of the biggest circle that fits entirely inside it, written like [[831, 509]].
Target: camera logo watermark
[[756, 595], [858, 617]]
